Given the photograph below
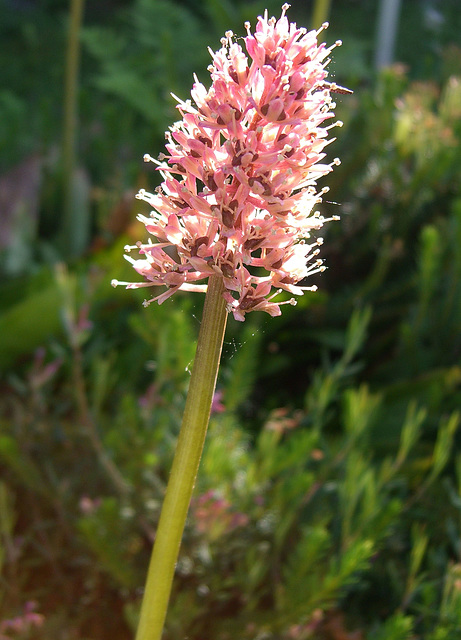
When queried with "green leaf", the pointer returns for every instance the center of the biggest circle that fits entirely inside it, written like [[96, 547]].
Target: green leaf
[[29, 324], [397, 627]]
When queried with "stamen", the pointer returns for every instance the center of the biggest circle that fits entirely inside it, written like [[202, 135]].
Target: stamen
[[324, 26], [313, 288]]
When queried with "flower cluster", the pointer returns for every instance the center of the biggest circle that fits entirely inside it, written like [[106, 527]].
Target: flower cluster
[[240, 171]]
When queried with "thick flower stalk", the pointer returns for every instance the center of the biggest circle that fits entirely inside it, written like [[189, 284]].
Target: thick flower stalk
[[239, 191]]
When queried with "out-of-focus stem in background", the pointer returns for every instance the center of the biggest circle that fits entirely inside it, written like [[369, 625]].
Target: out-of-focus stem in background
[[69, 134], [320, 13], [388, 22]]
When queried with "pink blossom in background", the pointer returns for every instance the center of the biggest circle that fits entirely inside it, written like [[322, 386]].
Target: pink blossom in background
[[239, 191], [88, 506], [217, 405], [214, 516], [22, 624], [281, 421]]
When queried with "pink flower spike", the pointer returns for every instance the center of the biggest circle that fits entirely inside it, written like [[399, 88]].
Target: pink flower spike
[[240, 173]]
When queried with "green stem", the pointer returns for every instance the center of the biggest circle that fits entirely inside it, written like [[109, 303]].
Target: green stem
[[70, 109], [320, 13], [185, 464]]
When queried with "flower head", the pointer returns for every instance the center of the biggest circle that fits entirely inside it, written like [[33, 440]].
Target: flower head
[[240, 171]]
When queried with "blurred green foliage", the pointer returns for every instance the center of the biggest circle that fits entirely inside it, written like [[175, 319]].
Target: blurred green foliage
[[328, 504]]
